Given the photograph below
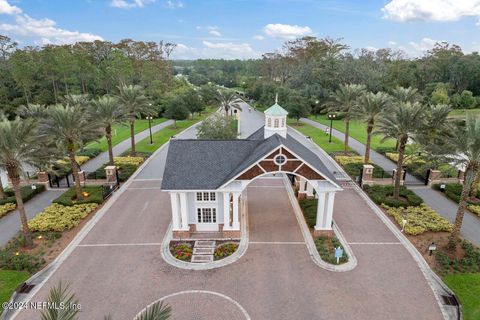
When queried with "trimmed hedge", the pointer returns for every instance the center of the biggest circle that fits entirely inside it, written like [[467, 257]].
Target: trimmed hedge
[[126, 167], [353, 166], [89, 152], [454, 191], [383, 195], [58, 218], [27, 194], [6, 208], [68, 198], [309, 208], [419, 219]]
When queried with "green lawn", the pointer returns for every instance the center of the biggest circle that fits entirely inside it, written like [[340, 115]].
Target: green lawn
[[318, 136], [462, 113], [9, 281], [358, 131], [120, 133], [467, 288], [162, 136]]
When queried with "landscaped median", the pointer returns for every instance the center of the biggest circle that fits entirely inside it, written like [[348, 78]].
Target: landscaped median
[[454, 191], [126, 166], [9, 203], [353, 165], [418, 165]]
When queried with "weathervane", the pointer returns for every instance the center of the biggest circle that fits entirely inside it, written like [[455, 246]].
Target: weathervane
[[276, 97]]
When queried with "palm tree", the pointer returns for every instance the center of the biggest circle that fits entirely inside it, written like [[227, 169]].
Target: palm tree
[[108, 112], [77, 100], [368, 108], [69, 127], [2, 191], [343, 100], [35, 111], [401, 94], [464, 144], [156, 311], [22, 144], [402, 123], [228, 99], [133, 99]]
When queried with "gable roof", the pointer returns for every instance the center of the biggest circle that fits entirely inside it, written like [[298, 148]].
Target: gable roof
[[209, 164], [276, 110]]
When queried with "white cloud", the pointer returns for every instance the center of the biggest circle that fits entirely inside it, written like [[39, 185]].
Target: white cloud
[[125, 4], [214, 31], [431, 10], [422, 46], [219, 50], [6, 8], [258, 37], [171, 4], [392, 43], [286, 31], [45, 31]]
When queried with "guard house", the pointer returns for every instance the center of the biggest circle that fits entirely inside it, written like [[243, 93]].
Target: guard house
[[206, 179]]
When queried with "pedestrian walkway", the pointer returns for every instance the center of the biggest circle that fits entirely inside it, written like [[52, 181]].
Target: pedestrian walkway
[[10, 224], [203, 251], [444, 206]]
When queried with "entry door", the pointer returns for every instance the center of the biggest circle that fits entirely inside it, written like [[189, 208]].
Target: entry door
[[207, 219]]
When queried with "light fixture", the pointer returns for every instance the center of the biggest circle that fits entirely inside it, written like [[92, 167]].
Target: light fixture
[[432, 247], [85, 194]]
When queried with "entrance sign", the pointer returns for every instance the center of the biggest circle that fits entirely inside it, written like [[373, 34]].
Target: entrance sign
[[338, 253]]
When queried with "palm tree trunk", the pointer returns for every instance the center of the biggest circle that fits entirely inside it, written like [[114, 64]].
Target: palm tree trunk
[[74, 164], [347, 130], [108, 135], [175, 123], [132, 137], [54, 91], [15, 178], [474, 187], [453, 238], [398, 174], [366, 159]]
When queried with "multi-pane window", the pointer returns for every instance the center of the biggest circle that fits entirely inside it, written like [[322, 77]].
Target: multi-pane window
[[269, 122], [206, 196], [207, 215], [276, 123], [283, 122]]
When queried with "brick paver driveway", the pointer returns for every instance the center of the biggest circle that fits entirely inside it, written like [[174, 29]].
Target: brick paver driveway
[[118, 268]]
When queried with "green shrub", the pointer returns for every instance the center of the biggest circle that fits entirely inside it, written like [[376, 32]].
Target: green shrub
[[309, 208], [89, 152], [419, 219], [15, 260], [384, 150], [57, 217], [384, 195], [353, 166], [326, 248], [474, 208], [68, 198], [27, 194], [6, 208], [454, 191], [469, 263], [225, 250]]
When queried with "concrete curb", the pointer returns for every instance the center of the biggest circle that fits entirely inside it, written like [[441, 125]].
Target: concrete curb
[[309, 242], [42, 276], [242, 248]]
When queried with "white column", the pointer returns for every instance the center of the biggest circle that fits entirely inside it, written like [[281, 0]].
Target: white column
[[327, 218], [302, 188], [175, 211], [235, 222], [320, 210], [226, 211], [184, 210], [309, 189]]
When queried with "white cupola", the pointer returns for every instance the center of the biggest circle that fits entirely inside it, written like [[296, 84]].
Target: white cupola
[[275, 120]]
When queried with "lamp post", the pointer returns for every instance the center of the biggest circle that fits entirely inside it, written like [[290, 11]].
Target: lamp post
[[149, 118], [331, 116], [316, 108], [432, 247]]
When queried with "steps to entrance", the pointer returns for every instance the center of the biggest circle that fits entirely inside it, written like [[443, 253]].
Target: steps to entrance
[[203, 251]]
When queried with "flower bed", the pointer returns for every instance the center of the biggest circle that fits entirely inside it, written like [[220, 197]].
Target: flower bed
[[326, 248], [80, 160], [419, 219], [6, 208], [474, 208], [68, 198], [470, 262], [353, 166], [136, 161], [182, 250], [384, 195], [26, 191], [57, 217], [224, 250]]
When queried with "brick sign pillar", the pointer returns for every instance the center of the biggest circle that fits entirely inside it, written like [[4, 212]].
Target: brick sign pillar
[[434, 177], [401, 177], [367, 174]]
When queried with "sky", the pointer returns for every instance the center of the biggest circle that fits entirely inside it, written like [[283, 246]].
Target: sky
[[245, 28]]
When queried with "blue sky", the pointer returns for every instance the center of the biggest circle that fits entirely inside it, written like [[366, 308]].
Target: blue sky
[[245, 28]]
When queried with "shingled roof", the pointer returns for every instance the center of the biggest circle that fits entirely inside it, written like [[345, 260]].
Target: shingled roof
[[194, 164]]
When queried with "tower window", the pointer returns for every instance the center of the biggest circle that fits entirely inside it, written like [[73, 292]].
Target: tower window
[[269, 122], [283, 122], [276, 123]]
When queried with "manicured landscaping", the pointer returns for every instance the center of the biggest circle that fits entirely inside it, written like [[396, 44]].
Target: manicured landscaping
[[357, 130], [9, 281], [384, 195], [418, 166], [6, 208], [309, 209], [92, 194], [326, 248], [318, 136], [27, 194], [224, 250], [353, 166], [419, 219], [467, 289], [122, 132], [182, 250], [468, 262], [454, 191], [462, 113], [126, 167], [57, 217]]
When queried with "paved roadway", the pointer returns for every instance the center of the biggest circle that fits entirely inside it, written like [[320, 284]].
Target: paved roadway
[[10, 224], [117, 268], [443, 205]]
